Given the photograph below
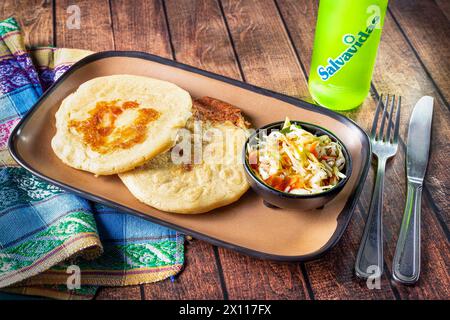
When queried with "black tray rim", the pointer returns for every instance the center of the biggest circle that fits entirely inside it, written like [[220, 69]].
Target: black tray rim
[[343, 218]]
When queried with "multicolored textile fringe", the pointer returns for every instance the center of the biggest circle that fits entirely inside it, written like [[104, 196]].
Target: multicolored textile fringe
[[44, 230]]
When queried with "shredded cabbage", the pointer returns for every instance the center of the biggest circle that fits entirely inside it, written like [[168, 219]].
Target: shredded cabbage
[[294, 160]]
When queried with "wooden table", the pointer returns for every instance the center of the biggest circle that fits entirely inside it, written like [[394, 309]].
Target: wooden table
[[268, 43]]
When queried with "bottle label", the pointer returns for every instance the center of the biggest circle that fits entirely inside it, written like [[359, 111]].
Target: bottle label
[[354, 43]]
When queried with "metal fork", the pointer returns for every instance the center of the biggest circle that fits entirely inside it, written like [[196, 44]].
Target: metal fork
[[369, 261]]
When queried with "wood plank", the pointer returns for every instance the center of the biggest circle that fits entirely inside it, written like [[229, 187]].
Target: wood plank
[[435, 279], [194, 25], [300, 18], [35, 18], [263, 47], [198, 280], [398, 76], [343, 284], [392, 74], [428, 30], [95, 34], [119, 293], [95, 31], [141, 26], [444, 5], [434, 282], [200, 38], [333, 276], [250, 278]]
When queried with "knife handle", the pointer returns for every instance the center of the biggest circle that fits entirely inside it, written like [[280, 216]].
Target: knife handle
[[406, 268], [369, 260]]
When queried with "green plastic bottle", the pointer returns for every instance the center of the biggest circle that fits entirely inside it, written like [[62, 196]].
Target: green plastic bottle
[[345, 46]]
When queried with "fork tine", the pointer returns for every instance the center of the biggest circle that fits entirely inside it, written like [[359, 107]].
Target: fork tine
[[375, 119], [391, 113], [397, 120], [383, 119]]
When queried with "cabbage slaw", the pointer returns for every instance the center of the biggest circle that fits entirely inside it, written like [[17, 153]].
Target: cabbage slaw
[[295, 161]]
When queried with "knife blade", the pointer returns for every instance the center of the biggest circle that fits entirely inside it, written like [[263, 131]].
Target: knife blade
[[419, 139], [406, 262]]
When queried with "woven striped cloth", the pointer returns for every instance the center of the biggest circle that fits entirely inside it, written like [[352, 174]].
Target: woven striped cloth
[[47, 234]]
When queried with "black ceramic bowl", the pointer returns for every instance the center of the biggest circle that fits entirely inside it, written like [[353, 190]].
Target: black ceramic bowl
[[275, 198]]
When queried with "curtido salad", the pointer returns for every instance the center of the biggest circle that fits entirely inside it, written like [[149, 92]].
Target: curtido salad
[[295, 161]]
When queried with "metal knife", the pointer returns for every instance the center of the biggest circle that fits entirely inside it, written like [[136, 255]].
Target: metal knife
[[406, 268]]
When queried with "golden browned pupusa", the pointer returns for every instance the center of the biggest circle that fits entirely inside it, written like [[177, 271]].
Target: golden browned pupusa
[[115, 123], [215, 180]]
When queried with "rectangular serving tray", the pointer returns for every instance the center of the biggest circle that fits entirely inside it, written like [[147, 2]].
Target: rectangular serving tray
[[247, 225]]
